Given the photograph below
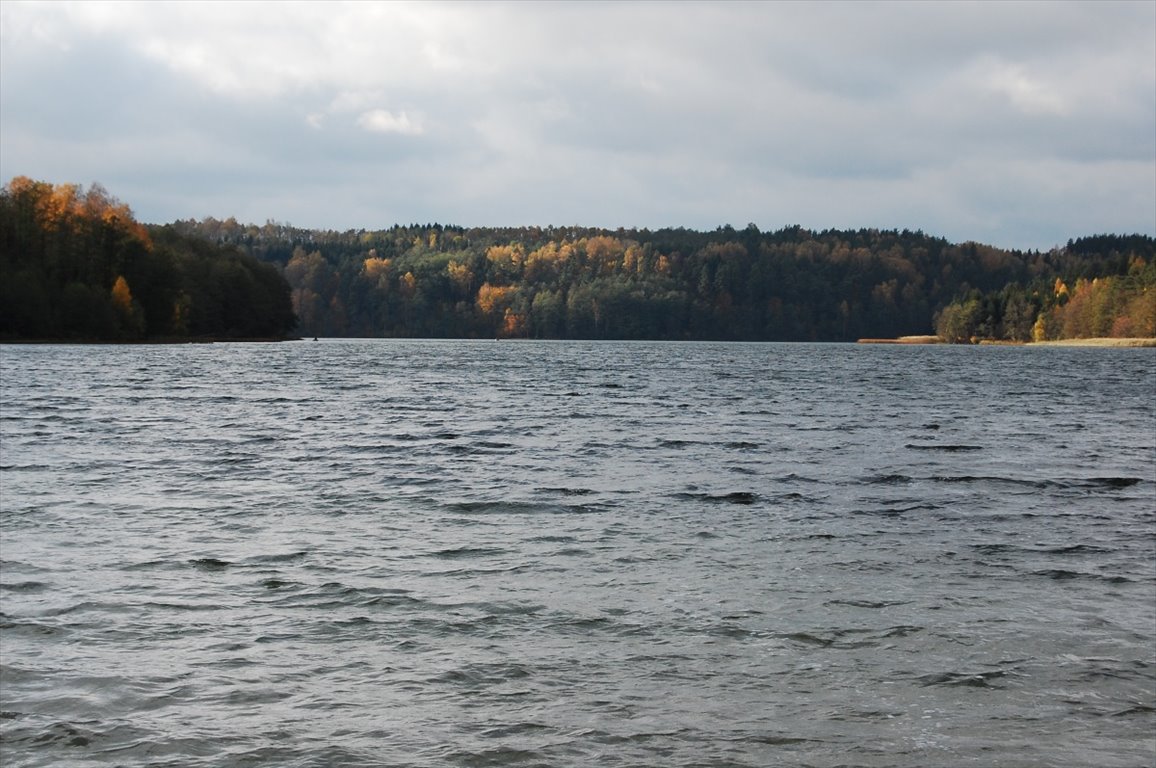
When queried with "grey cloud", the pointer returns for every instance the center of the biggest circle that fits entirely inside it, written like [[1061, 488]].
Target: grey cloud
[[637, 114]]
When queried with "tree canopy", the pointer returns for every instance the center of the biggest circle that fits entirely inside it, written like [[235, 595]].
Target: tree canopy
[[75, 264], [1105, 286], [793, 284]]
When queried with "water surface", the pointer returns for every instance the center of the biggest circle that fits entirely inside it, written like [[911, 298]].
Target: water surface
[[440, 553]]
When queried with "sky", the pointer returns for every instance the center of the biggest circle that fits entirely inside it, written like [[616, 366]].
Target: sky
[[1021, 125]]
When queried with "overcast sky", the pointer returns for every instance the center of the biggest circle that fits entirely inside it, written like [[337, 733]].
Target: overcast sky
[[1019, 125]]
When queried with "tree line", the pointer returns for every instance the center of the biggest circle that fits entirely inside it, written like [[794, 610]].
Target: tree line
[[76, 265], [792, 284], [1107, 290]]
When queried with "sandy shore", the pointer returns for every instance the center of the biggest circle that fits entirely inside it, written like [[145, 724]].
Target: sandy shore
[[904, 340], [1095, 343], [1099, 342]]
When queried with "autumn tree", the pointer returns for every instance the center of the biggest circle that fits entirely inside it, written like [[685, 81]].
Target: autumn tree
[[128, 313]]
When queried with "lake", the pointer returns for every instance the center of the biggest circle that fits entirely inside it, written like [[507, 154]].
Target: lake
[[481, 553]]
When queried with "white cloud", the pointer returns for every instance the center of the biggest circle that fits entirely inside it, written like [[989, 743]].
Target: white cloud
[[383, 121], [1027, 93]]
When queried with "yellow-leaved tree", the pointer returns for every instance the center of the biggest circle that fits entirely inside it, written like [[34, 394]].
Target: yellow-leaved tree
[[128, 312]]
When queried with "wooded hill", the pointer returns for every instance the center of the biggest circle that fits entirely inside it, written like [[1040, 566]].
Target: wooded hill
[[789, 285], [1078, 304], [74, 264]]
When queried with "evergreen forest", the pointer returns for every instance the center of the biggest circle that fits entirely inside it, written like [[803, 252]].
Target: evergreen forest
[[75, 264]]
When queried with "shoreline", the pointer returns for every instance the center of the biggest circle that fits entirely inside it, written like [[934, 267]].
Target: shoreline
[[1096, 342], [1100, 341], [158, 341], [905, 340]]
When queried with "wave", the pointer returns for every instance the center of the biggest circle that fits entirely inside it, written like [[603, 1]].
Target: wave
[[25, 587], [13, 627], [897, 510], [1093, 483], [481, 447], [567, 491], [335, 595], [1064, 574], [520, 508], [849, 638], [1033, 484], [1069, 549], [483, 675], [944, 448], [458, 553], [734, 497], [210, 564], [873, 604], [888, 479], [985, 679], [437, 564]]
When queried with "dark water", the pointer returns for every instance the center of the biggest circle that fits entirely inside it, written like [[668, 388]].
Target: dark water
[[389, 553]]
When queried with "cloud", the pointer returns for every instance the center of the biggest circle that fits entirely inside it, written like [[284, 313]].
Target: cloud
[[624, 114], [383, 121], [1029, 94]]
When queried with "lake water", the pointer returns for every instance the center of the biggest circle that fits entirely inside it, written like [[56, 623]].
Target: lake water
[[445, 553]]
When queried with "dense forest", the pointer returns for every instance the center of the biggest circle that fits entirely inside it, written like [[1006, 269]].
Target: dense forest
[[75, 264], [1090, 299], [788, 285]]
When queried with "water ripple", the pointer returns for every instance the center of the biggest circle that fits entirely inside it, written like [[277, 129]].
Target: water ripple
[[429, 553]]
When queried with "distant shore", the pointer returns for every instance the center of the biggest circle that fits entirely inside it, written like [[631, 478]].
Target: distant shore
[[905, 340], [156, 340], [1096, 342]]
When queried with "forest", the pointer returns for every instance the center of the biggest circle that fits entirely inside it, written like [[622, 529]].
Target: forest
[[76, 265], [789, 285], [1080, 303]]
